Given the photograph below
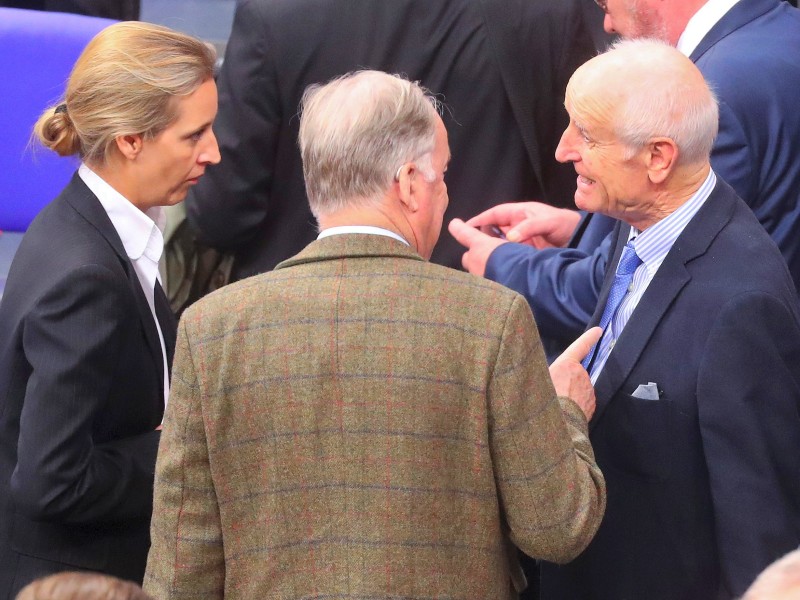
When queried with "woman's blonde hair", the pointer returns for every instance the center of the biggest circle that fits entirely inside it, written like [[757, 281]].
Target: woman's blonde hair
[[124, 83]]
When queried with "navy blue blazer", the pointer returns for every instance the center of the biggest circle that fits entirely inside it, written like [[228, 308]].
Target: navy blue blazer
[[81, 395], [703, 483], [750, 59]]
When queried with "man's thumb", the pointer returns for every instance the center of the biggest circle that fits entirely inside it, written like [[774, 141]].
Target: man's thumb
[[578, 349], [464, 234]]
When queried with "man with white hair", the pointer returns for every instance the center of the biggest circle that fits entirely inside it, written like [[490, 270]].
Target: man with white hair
[[360, 423], [746, 50], [697, 375]]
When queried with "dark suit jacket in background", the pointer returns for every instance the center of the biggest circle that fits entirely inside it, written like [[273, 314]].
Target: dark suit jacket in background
[[81, 394], [500, 66], [122, 10], [703, 484], [750, 60], [360, 423]]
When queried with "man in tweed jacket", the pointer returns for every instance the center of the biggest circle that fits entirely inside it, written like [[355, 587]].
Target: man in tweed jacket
[[360, 423]]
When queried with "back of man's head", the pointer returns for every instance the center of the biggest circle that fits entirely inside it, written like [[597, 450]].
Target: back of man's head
[[356, 131], [646, 89]]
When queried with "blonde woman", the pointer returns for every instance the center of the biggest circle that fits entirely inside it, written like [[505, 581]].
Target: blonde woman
[[86, 336]]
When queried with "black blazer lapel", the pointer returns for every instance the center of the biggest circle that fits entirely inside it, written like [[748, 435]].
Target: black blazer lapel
[[621, 231], [665, 287], [81, 198], [167, 321]]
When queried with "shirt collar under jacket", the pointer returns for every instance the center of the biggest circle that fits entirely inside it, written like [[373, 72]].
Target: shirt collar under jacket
[[367, 229], [701, 23], [654, 243]]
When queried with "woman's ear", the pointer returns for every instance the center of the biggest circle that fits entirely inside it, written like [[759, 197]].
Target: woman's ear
[[129, 145]]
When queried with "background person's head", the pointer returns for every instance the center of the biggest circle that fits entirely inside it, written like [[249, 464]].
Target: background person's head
[[648, 18], [81, 586], [642, 124], [779, 581], [368, 139], [128, 87]]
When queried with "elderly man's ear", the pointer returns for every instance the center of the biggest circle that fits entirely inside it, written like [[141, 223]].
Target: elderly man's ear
[[407, 178], [660, 158]]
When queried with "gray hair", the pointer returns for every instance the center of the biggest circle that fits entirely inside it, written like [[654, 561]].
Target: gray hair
[[661, 101], [125, 82], [779, 578], [357, 131]]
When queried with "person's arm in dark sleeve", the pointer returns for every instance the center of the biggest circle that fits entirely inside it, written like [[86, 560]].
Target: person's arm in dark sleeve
[[231, 201], [72, 340], [561, 285]]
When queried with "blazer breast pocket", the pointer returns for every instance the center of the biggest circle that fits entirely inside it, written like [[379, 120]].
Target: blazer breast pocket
[[639, 434]]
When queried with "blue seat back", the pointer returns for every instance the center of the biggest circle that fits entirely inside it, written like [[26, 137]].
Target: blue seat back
[[37, 52]]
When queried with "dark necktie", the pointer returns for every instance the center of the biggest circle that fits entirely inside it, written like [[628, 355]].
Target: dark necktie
[[628, 263], [166, 321]]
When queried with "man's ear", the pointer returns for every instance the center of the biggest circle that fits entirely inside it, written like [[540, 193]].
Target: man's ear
[[129, 145], [660, 158], [406, 182]]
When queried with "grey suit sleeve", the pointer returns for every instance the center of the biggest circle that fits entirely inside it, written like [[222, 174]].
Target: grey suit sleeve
[[748, 398], [552, 491], [232, 200], [72, 343]]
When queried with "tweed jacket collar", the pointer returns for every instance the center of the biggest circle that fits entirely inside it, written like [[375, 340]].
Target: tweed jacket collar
[[351, 245]]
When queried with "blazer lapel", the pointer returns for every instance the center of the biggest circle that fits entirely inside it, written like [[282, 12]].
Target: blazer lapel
[[665, 287], [741, 14], [661, 293], [621, 231], [88, 206]]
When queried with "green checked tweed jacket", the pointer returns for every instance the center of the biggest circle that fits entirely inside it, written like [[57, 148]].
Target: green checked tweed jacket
[[361, 424]]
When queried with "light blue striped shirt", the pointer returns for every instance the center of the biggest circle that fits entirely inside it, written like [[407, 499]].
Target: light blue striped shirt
[[652, 245]]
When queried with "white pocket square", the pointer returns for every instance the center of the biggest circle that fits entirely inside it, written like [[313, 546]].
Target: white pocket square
[[647, 391]]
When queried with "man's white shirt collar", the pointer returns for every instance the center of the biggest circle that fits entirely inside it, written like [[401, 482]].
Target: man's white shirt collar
[[701, 23], [367, 229]]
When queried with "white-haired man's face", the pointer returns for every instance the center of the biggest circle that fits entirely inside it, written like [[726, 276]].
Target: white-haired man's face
[[609, 181]]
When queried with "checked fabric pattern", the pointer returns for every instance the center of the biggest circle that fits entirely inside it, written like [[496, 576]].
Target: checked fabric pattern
[[361, 424]]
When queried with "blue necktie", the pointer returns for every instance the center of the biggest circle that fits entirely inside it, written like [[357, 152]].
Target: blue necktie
[[628, 263]]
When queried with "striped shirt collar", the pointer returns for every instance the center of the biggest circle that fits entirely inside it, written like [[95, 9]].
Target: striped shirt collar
[[653, 244]]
